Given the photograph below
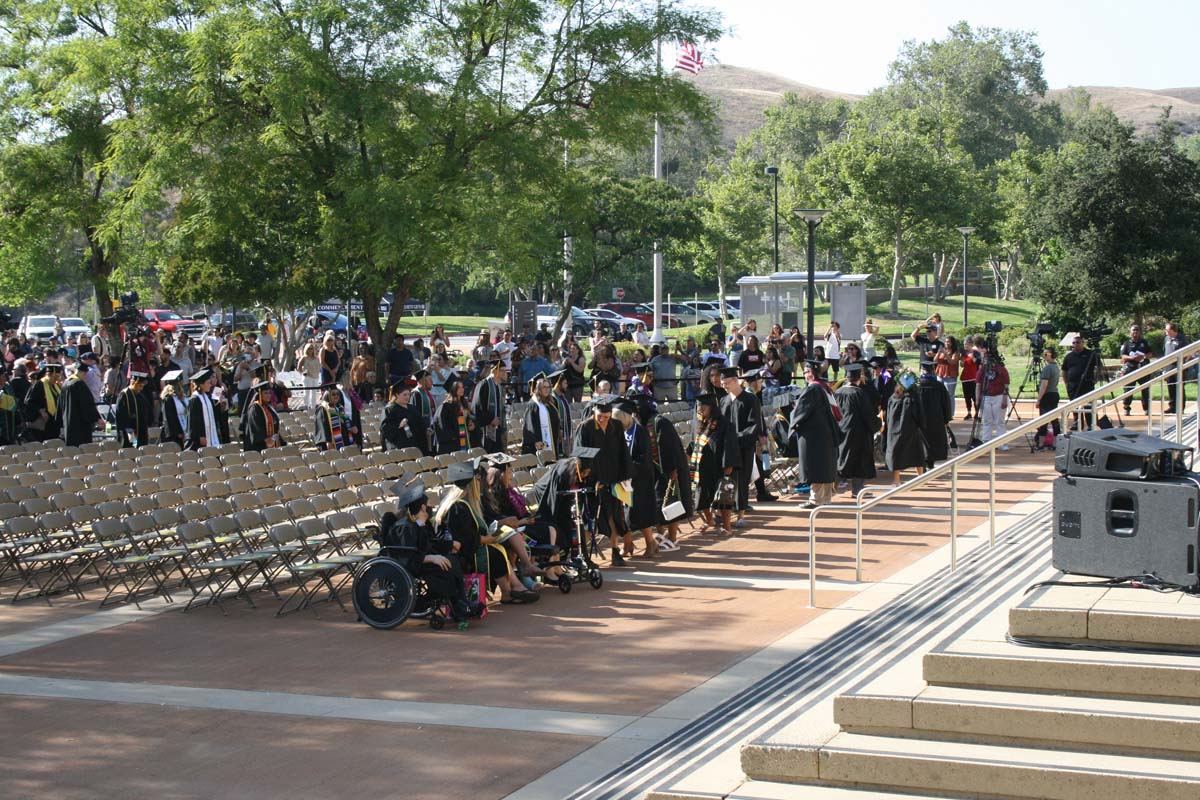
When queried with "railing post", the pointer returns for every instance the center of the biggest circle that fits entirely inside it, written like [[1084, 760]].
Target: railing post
[[954, 517], [992, 499], [1180, 398], [858, 542], [812, 559]]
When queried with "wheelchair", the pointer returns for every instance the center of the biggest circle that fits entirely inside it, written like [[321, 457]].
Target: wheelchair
[[385, 594]]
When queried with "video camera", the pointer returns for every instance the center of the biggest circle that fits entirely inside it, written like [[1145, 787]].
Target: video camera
[[991, 328], [128, 315], [1037, 339], [1093, 333]]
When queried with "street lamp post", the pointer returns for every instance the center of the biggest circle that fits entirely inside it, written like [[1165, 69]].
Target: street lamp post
[[966, 232], [774, 173], [813, 217]]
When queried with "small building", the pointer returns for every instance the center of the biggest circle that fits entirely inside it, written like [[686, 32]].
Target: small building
[[779, 297]]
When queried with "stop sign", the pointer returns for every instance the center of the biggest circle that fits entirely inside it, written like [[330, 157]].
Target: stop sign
[[619, 294]]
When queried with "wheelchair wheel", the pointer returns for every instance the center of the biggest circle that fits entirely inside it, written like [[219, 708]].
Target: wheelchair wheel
[[596, 579], [383, 593], [564, 584]]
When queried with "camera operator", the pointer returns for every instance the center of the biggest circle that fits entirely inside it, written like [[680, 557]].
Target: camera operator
[[1047, 394], [1136, 353], [1079, 370], [927, 335], [994, 377], [1175, 341], [143, 344]]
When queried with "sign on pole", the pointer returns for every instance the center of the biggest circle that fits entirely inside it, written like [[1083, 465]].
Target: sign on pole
[[618, 293]]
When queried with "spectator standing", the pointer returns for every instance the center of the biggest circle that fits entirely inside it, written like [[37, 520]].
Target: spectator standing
[[309, 366], [995, 399], [833, 347], [870, 331], [266, 343], [735, 344], [640, 337], [482, 351], [946, 364], [1175, 340], [399, 360], [970, 368], [530, 368], [1136, 353], [1047, 396]]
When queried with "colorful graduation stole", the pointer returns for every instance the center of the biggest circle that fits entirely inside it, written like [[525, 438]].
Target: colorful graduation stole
[[702, 437]]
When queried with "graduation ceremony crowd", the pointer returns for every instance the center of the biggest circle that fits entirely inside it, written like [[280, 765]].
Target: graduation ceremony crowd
[[643, 476]]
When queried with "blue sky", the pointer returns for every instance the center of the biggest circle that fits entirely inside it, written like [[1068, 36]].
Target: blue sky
[[847, 45]]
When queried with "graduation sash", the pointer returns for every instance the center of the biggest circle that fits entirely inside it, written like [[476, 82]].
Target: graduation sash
[[702, 437], [335, 426], [51, 392]]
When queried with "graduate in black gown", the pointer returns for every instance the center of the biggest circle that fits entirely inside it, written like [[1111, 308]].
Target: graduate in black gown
[[202, 428], [333, 427], [133, 412], [713, 460], [883, 382], [42, 420], [742, 412], [781, 427], [610, 467], [643, 514], [408, 534], [560, 381], [260, 424], [554, 506], [453, 424], [936, 413], [754, 388], [541, 427], [77, 407], [396, 430], [174, 409], [420, 407], [673, 483], [9, 420], [858, 425], [489, 409], [460, 512], [905, 442], [814, 427]]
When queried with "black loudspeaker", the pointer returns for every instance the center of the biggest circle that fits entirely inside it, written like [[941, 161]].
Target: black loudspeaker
[[1119, 453], [1119, 528]]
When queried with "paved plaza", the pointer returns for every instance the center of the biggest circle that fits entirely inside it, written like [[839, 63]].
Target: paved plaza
[[532, 702]]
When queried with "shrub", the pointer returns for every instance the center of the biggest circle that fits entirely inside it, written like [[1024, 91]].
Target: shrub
[[1110, 346]]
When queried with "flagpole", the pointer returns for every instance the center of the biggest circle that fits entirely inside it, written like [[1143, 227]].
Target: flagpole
[[657, 336]]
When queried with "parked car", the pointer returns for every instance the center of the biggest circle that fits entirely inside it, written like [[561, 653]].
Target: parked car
[[644, 313], [690, 314], [614, 319], [74, 325], [237, 321], [39, 328], [168, 321], [329, 321]]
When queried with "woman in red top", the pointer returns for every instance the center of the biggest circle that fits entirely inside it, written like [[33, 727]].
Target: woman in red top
[[946, 368], [970, 371]]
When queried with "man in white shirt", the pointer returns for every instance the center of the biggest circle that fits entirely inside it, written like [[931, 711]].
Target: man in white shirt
[[266, 343], [505, 348]]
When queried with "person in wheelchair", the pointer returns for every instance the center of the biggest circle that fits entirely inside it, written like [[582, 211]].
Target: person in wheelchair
[[479, 549], [503, 504], [407, 536]]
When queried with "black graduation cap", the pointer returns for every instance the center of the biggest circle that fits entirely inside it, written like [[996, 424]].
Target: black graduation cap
[[729, 372], [603, 402], [853, 368], [533, 381], [49, 366], [815, 363], [499, 459], [627, 405], [586, 452], [753, 375], [708, 399], [462, 471], [133, 373], [927, 362], [645, 366], [202, 375], [878, 362], [449, 384], [410, 492], [88, 357], [555, 376], [714, 358], [400, 385], [419, 374], [261, 370], [324, 387]]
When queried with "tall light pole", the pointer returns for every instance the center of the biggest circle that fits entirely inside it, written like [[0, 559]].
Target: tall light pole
[[774, 173], [813, 217], [966, 232], [656, 336]]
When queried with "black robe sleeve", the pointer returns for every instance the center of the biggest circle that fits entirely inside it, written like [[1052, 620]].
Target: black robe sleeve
[[481, 409], [78, 410], [172, 427], [531, 428], [195, 414], [392, 434], [418, 422]]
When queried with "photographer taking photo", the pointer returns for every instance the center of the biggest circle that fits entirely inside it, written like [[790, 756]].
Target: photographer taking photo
[[928, 335], [1136, 353]]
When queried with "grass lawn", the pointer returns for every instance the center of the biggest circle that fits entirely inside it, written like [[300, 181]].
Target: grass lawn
[[414, 326], [1013, 313]]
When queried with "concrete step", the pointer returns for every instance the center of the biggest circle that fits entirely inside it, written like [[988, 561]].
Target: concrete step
[[763, 790], [1057, 720], [1003, 665], [1108, 615], [964, 768]]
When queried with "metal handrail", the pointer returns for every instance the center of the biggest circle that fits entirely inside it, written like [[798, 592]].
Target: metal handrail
[[1158, 371]]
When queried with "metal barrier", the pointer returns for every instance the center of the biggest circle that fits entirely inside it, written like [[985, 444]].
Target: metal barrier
[[1157, 372]]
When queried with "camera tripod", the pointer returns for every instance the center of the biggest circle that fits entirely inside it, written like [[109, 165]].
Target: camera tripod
[[1033, 375]]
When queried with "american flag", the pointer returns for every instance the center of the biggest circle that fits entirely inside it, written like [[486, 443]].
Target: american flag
[[688, 58]]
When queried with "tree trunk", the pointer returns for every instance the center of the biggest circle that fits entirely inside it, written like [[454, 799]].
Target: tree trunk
[[723, 310], [994, 266], [897, 274], [382, 333], [1013, 258]]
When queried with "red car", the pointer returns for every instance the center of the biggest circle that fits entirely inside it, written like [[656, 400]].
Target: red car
[[641, 311], [163, 319]]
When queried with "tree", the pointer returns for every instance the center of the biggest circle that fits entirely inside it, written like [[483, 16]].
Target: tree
[[888, 183], [1121, 218], [732, 218]]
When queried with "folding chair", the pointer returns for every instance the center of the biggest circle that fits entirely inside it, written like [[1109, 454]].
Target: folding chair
[[216, 489], [304, 569], [64, 500], [369, 493], [44, 564], [141, 504], [302, 474], [119, 491], [237, 471], [169, 499], [289, 492], [310, 488], [19, 493], [131, 562], [198, 539]]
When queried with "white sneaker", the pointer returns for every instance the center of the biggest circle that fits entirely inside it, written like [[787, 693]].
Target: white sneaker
[[1003, 448]]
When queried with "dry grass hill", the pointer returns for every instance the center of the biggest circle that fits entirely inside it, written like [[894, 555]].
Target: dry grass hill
[[743, 94]]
